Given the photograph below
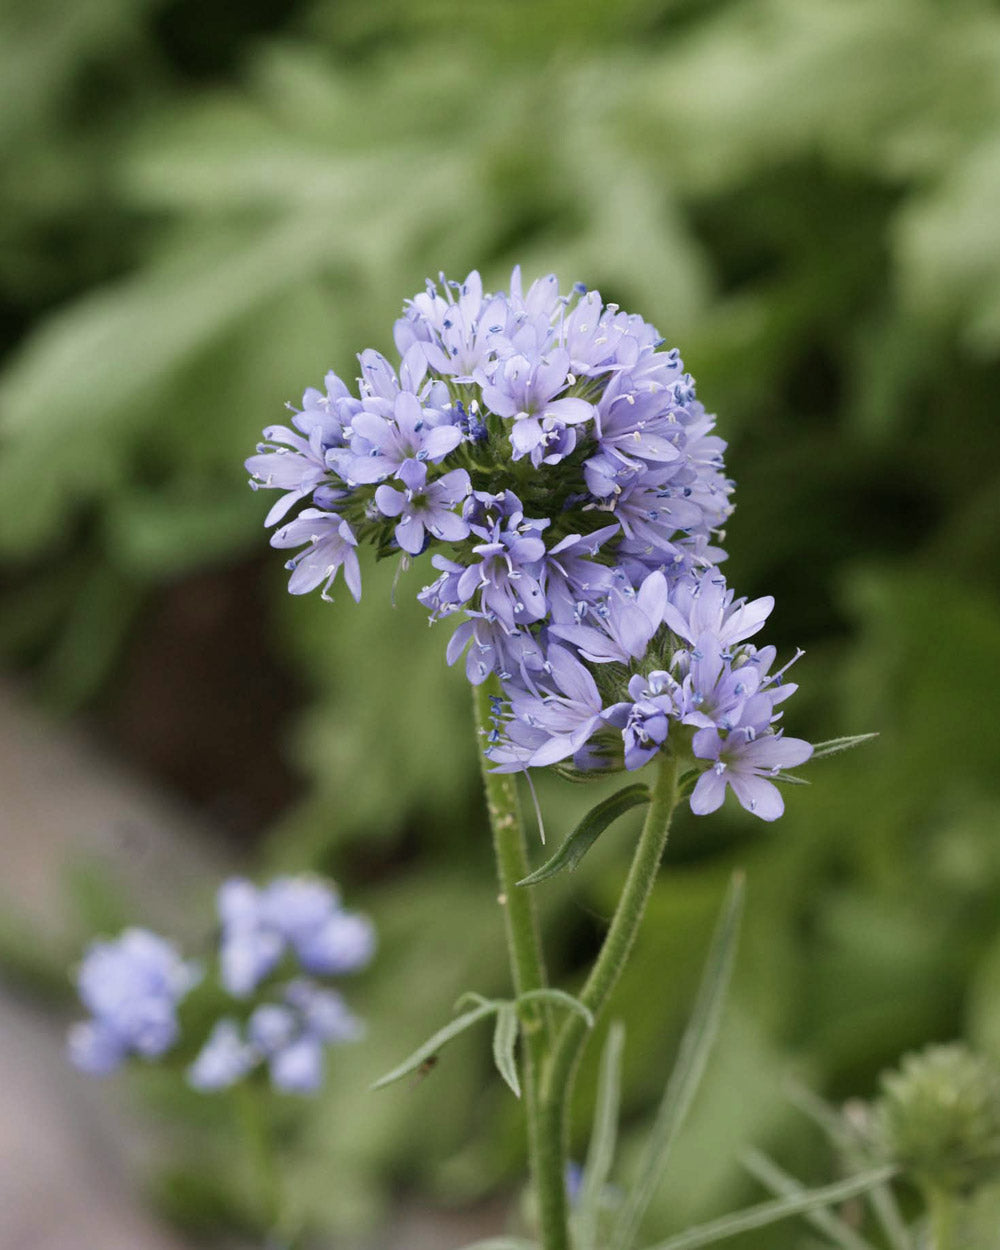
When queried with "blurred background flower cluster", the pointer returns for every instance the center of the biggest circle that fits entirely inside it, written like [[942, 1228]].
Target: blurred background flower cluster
[[205, 207]]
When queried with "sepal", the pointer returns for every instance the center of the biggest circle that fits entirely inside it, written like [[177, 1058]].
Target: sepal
[[833, 746]]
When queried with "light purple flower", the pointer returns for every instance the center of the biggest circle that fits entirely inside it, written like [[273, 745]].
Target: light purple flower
[[526, 391], [330, 546], [297, 915], [289, 1036], [298, 1067], [293, 1044], [624, 624], [508, 574], [296, 460], [645, 720], [494, 647], [567, 714], [224, 1060], [131, 986], [714, 693], [574, 581], [425, 506], [271, 1027], [705, 604], [744, 759], [382, 445], [324, 1012]]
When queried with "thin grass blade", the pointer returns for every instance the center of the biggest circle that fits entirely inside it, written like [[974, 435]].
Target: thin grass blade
[[603, 1136], [783, 1185], [766, 1213], [688, 1070]]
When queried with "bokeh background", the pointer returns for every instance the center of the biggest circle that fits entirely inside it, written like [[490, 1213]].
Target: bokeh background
[[208, 205]]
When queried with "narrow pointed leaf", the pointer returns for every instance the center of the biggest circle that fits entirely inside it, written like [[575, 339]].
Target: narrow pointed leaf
[[834, 746], [692, 1057], [588, 831], [779, 1182], [434, 1044], [766, 1213], [601, 1151], [504, 1041], [848, 1142], [561, 999]]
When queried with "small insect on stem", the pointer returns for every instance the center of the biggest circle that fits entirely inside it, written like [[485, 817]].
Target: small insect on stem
[[425, 1069]]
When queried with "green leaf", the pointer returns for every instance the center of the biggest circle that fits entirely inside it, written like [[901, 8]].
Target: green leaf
[[561, 999], [834, 746], [588, 831], [434, 1044], [600, 1154], [688, 1070], [766, 1213], [779, 1182], [504, 1041]]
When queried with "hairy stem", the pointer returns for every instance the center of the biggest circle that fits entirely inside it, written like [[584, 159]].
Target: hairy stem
[[528, 972], [560, 1071]]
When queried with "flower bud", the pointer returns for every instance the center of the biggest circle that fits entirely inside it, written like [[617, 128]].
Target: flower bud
[[939, 1118]]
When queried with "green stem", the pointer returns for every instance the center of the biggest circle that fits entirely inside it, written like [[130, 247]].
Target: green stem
[[260, 1150], [528, 972], [942, 1213], [557, 1085]]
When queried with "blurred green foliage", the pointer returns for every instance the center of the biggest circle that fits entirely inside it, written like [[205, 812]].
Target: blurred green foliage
[[203, 212]]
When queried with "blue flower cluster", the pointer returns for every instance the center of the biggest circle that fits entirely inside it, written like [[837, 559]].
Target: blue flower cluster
[[131, 986], [555, 456], [298, 917], [134, 985]]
